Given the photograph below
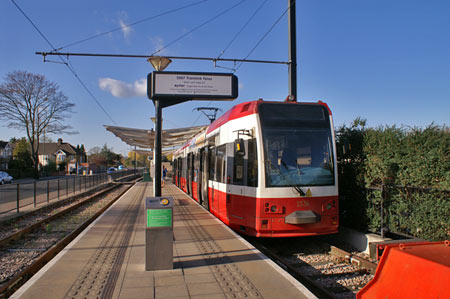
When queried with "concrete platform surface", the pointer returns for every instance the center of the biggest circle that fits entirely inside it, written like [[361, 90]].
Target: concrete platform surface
[[210, 261]]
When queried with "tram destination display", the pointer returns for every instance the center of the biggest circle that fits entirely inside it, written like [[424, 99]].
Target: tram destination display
[[192, 86]]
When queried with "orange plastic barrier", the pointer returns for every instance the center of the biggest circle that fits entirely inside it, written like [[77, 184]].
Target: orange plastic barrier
[[411, 270]]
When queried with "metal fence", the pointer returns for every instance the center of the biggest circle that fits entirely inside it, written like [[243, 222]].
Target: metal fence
[[16, 197], [421, 212]]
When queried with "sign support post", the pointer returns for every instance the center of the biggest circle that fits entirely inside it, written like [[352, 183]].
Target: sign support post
[[158, 147]]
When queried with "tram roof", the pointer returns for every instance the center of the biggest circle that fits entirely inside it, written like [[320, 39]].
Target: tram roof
[[146, 138]]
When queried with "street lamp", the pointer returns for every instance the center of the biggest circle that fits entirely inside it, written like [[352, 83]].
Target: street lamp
[[159, 63]]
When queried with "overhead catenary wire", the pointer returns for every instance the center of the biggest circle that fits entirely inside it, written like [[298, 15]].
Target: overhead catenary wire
[[264, 36], [199, 26], [129, 25], [242, 29], [64, 62]]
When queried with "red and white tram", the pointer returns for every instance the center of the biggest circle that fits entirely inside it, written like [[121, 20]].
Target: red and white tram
[[266, 169]]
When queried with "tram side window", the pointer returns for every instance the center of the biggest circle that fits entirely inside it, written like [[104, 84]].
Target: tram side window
[[220, 166], [238, 166], [183, 167], [252, 165], [212, 164], [196, 166]]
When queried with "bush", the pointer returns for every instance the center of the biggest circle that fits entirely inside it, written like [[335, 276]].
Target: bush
[[50, 167], [392, 156], [62, 166]]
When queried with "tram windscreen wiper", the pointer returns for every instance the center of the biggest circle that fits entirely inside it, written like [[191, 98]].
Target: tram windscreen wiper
[[299, 190]]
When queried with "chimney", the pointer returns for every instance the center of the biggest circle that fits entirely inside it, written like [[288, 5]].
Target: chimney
[[59, 141]]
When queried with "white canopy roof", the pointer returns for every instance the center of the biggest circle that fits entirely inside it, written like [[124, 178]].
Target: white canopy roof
[[146, 138]]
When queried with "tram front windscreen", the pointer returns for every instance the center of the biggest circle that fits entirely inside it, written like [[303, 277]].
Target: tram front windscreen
[[298, 145]]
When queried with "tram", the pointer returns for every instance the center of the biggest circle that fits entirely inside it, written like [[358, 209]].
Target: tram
[[265, 169]]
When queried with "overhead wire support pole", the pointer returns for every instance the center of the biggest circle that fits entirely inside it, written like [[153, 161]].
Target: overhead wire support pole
[[170, 57], [292, 50]]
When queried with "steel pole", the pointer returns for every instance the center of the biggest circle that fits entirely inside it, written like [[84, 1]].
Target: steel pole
[[158, 145], [292, 50], [18, 197], [34, 194]]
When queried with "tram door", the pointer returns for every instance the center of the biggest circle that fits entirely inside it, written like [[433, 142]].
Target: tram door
[[204, 177], [191, 175], [174, 171], [198, 169], [188, 174], [179, 172]]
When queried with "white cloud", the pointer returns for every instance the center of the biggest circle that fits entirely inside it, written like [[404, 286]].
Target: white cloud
[[126, 30], [121, 89]]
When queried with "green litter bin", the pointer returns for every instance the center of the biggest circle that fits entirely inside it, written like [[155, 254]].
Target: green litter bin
[[146, 177]]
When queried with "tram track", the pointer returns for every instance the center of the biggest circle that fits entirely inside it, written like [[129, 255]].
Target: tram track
[[326, 270], [13, 229], [26, 250]]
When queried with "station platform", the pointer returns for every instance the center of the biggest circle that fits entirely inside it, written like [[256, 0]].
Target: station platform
[[210, 260]]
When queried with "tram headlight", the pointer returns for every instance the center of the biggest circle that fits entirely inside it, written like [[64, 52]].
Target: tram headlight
[[273, 208], [329, 207]]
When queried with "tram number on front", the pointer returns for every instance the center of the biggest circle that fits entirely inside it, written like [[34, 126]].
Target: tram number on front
[[302, 203]]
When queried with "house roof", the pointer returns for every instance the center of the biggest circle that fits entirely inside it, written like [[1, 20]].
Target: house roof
[[3, 144], [53, 147]]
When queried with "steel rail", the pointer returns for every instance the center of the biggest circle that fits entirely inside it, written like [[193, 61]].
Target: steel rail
[[353, 259], [310, 284], [18, 234]]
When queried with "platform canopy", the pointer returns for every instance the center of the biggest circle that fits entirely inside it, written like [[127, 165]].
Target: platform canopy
[[164, 152], [143, 138]]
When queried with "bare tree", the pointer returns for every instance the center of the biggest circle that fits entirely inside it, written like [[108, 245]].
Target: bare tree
[[28, 102]]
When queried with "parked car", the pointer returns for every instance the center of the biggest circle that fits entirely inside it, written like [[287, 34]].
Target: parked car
[[5, 178], [111, 170]]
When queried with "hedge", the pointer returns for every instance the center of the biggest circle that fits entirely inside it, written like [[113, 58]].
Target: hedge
[[412, 164]]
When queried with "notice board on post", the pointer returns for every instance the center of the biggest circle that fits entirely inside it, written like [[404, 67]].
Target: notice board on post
[[176, 87]]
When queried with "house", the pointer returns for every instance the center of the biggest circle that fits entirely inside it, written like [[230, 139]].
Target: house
[[61, 152], [6, 153]]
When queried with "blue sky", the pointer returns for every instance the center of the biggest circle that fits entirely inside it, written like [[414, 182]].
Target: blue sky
[[382, 60]]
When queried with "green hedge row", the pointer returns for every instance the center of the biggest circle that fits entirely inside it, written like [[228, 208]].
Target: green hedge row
[[18, 173], [395, 157]]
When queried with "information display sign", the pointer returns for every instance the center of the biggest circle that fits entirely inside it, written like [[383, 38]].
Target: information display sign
[[192, 86], [159, 217]]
